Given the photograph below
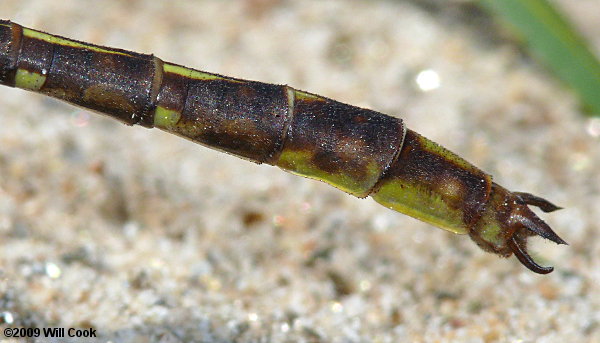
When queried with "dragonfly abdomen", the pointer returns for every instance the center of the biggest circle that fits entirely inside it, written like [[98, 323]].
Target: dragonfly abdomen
[[360, 151]]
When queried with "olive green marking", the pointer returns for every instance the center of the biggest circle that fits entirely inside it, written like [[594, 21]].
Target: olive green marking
[[300, 95], [67, 42], [165, 118], [300, 163], [420, 203], [29, 80], [492, 232], [192, 73]]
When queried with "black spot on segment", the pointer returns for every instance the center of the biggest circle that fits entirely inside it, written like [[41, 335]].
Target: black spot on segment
[[345, 139], [243, 118]]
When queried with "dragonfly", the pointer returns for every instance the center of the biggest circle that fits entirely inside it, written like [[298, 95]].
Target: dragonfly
[[357, 150]]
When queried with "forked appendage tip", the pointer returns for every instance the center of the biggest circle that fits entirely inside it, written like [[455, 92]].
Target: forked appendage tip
[[528, 220], [510, 214]]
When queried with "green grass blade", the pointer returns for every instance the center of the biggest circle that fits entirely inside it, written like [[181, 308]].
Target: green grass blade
[[551, 38]]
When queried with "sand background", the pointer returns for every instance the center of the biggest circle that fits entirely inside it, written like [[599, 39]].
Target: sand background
[[149, 238]]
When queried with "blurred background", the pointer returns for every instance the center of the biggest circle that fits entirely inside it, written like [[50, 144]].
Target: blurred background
[[140, 234]]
